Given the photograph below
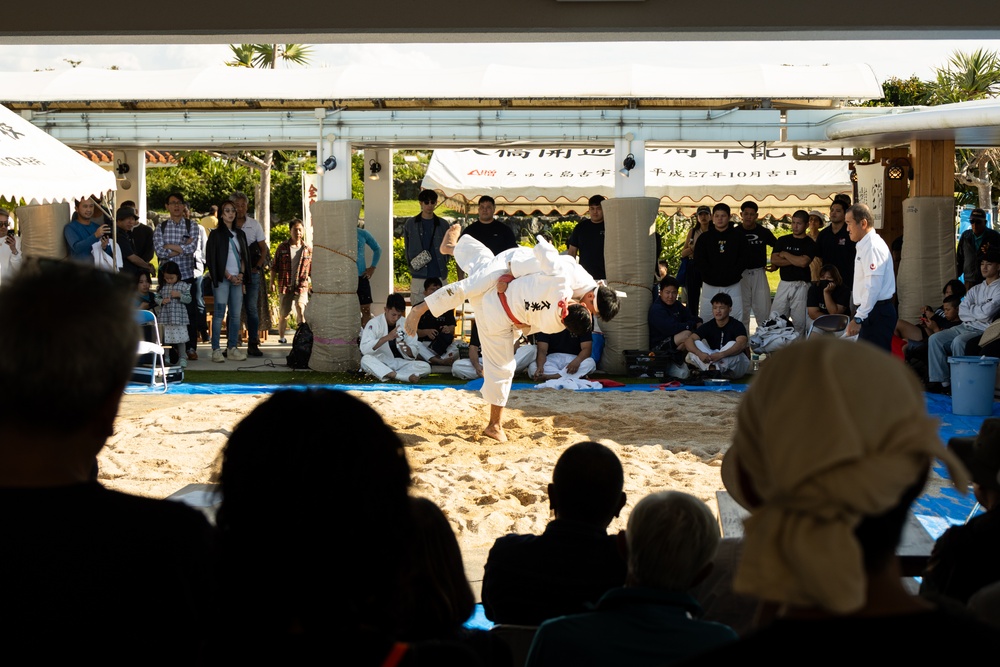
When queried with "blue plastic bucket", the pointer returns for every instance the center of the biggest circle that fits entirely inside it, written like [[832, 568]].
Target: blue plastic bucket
[[972, 382]]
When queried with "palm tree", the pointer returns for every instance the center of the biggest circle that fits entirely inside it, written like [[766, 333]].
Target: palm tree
[[967, 77], [265, 56]]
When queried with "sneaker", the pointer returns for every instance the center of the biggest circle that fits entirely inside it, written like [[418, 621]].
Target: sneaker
[[192, 355], [254, 351], [218, 357], [184, 362], [236, 354], [283, 340]]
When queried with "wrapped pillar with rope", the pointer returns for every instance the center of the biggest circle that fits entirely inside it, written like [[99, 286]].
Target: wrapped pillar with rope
[[333, 313], [629, 258]]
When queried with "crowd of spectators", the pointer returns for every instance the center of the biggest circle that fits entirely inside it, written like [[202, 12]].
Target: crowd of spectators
[[273, 581]]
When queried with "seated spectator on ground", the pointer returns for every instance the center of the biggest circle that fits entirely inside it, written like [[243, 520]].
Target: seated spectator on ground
[[651, 621], [437, 334], [562, 355], [436, 596], [828, 296], [977, 310], [967, 558], [719, 345], [932, 321], [87, 567], [284, 595], [531, 578], [472, 368], [670, 321], [387, 352], [826, 518]]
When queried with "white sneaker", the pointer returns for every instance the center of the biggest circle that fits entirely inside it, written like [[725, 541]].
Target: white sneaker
[[236, 354], [184, 362], [218, 357]]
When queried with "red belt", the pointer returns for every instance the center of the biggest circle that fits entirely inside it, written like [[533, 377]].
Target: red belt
[[506, 309]]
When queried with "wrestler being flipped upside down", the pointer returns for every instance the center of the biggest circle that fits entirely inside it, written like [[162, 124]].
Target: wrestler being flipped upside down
[[520, 291]]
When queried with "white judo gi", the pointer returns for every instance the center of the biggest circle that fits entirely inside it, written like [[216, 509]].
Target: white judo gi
[[380, 361], [537, 300]]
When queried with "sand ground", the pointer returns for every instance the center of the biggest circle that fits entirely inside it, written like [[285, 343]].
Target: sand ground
[[665, 440]]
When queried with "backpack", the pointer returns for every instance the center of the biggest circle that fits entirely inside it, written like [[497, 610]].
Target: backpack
[[302, 345]]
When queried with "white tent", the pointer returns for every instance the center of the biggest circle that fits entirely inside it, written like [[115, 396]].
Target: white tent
[[686, 177], [37, 167]]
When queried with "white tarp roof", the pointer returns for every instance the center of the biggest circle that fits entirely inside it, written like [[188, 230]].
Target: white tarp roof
[[361, 82], [35, 166], [683, 176]]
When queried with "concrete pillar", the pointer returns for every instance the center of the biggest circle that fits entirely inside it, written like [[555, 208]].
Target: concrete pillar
[[633, 185], [335, 185], [133, 184], [378, 222]]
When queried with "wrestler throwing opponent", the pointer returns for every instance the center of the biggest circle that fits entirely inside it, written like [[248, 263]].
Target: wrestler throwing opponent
[[519, 291]]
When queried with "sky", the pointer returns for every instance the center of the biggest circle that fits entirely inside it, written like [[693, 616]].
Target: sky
[[887, 58]]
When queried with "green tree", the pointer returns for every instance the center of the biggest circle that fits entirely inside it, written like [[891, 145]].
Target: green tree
[[265, 56], [898, 92], [967, 77]]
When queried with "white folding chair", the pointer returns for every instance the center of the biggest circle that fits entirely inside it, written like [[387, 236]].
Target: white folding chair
[[146, 320]]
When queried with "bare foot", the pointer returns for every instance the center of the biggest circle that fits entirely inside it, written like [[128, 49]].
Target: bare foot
[[390, 376], [495, 431], [413, 379], [450, 239], [413, 319]]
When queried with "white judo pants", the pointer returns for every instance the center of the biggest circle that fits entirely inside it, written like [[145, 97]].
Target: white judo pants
[[556, 363], [790, 301], [523, 356], [380, 368], [756, 296], [733, 367], [497, 334]]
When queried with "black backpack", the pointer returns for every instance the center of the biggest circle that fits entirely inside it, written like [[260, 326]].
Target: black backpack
[[302, 346]]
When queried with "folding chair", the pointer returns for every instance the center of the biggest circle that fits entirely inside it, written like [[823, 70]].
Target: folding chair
[[829, 324], [146, 321]]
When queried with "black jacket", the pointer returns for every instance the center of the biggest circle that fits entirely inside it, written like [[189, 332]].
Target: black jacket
[[217, 250]]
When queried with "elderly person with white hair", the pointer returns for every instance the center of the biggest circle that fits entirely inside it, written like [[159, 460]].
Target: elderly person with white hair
[[827, 509], [671, 538]]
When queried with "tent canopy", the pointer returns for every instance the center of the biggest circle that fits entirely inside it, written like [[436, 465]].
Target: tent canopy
[[686, 177], [39, 168]]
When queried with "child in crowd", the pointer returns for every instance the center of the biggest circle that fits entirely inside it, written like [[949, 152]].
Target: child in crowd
[[172, 296], [145, 299]]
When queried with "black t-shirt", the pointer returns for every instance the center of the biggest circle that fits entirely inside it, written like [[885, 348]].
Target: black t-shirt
[[798, 247], [128, 249], [837, 249], [496, 236], [441, 342], [564, 342], [758, 239], [588, 238], [841, 295], [721, 256], [717, 336]]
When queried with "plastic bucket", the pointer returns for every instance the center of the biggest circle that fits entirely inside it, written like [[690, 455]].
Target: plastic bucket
[[972, 381]]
